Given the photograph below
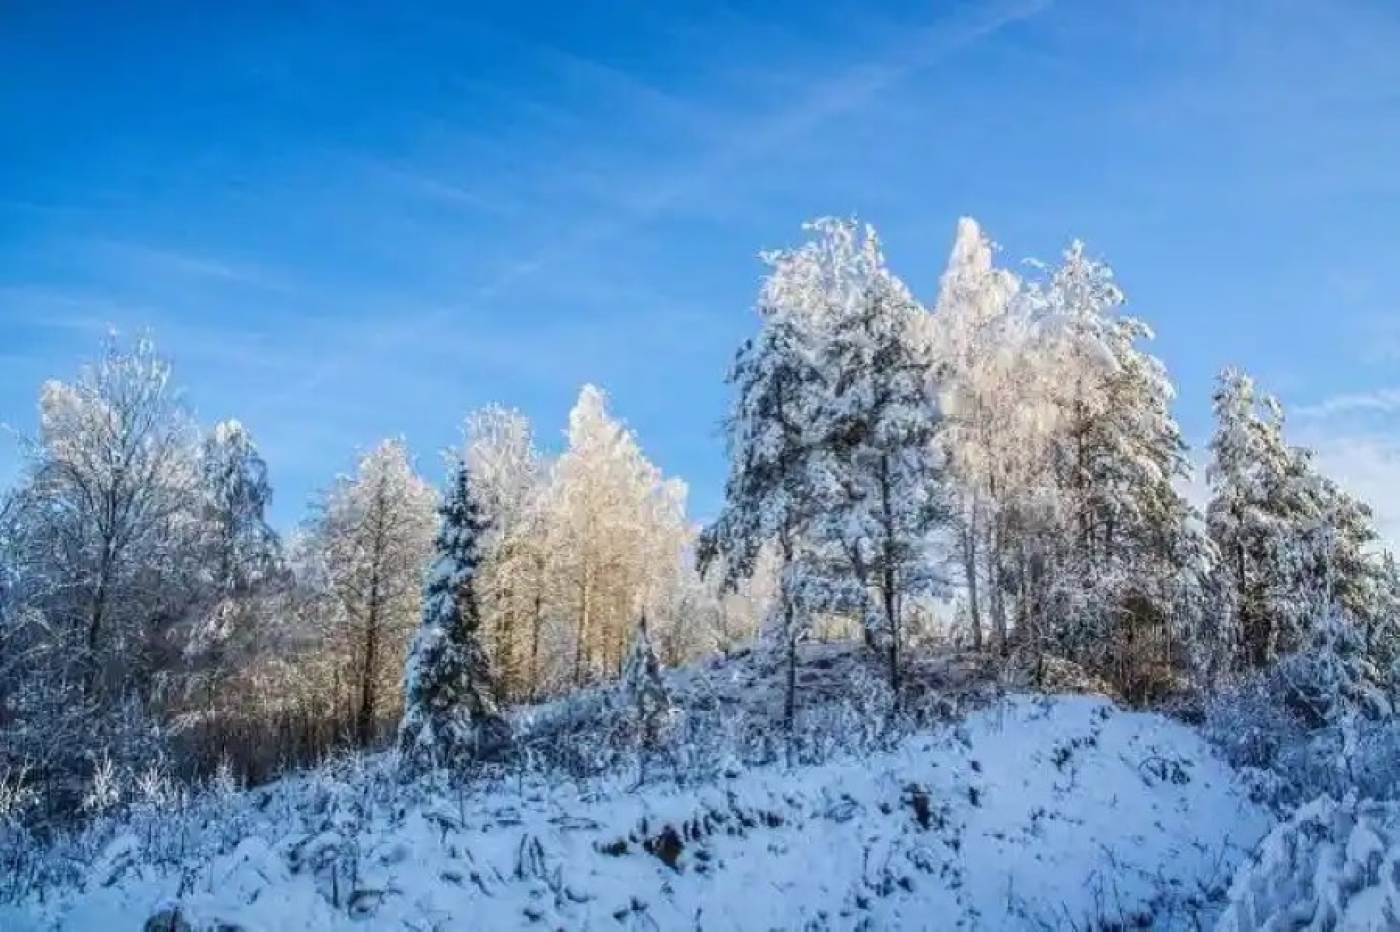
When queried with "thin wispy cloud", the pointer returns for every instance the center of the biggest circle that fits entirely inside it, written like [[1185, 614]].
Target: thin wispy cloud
[[157, 262], [1378, 401], [749, 138]]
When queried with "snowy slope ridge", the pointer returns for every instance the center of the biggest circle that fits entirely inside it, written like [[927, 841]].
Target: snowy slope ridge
[[1032, 813]]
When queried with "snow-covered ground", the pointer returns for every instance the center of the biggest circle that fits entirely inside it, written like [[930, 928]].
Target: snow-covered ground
[[1034, 812]]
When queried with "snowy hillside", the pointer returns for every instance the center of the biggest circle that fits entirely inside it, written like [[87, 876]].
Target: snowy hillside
[[1033, 813]]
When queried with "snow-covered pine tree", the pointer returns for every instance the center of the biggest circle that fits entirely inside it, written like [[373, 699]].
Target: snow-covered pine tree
[[1246, 473], [1382, 633], [1125, 564], [450, 715], [770, 497], [1350, 566], [1329, 684], [1268, 507], [874, 433], [647, 697]]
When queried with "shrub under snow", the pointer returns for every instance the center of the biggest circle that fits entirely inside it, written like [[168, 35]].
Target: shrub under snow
[[1333, 865]]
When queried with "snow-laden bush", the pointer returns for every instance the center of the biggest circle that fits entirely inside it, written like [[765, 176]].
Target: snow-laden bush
[[1317, 722], [1288, 763], [1333, 865]]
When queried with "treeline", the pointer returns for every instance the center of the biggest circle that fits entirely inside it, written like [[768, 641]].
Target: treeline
[[150, 616], [1009, 449], [1016, 442]]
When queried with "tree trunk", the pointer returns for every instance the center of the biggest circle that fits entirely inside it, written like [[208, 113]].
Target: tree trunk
[[996, 593], [790, 638], [364, 720], [889, 576], [969, 540], [96, 617], [584, 631], [536, 623]]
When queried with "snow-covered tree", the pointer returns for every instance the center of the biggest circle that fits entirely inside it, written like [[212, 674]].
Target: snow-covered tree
[[974, 336], [772, 499], [450, 713], [111, 522], [511, 479], [646, 692], [1127, 565], [1065, 461], [246, 549], [617, 531], [874, 431], [1257, 515], [374, 535], [1269, 508], [1248, 520]]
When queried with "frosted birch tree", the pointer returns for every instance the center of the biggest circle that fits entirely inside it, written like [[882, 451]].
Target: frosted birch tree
[[374, 533], [511, 479], [617, 529], [972, 334], [113, 492]]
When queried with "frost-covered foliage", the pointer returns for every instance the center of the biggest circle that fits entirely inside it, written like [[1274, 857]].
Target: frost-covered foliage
[[238, 494], [1331, 865], [1128, 578], [772, 502], [1284, 532], [109, 501], [511, 480], [450, 715], [976, 336], [1072, 536], [878, 472], [620, 530], [831, 439], [373, 537], [1319, 721], [578, 544]]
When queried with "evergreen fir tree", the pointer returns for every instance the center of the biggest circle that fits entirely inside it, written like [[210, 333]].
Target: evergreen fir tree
[[450, 715], [645, 690]]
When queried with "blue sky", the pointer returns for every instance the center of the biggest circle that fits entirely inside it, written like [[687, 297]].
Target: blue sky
[[347, 221]]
